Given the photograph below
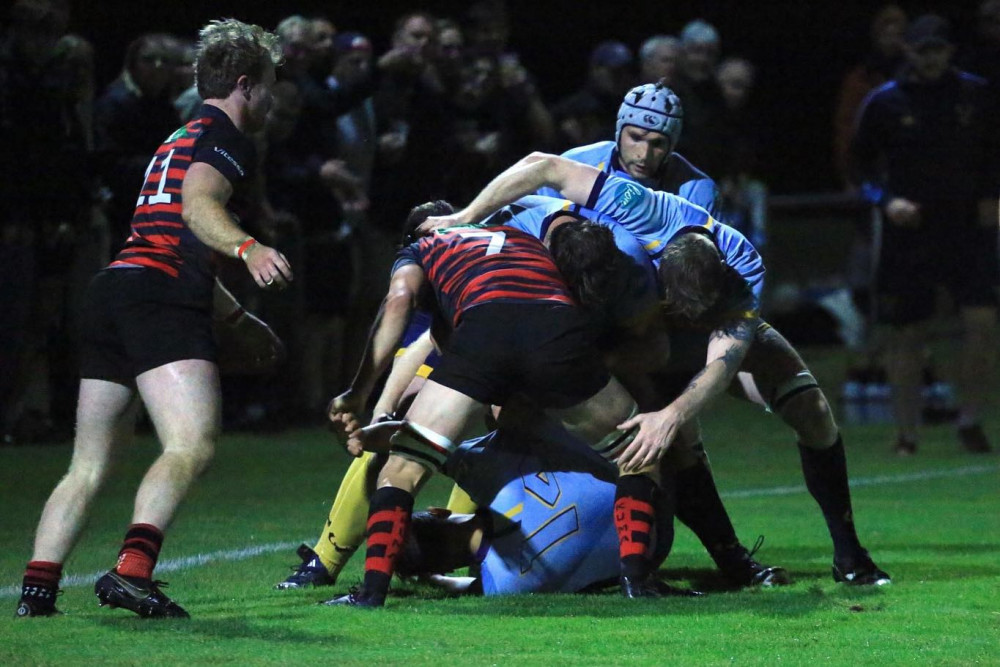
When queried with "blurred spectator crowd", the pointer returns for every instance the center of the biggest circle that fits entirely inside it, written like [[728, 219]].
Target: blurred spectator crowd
[[355, 138]]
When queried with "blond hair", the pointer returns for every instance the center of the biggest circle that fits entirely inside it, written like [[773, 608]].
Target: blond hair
[[229, 49]]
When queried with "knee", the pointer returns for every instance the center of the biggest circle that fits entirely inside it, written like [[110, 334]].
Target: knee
[[811, 416], [87, 477], [402, 473], [195, 457]]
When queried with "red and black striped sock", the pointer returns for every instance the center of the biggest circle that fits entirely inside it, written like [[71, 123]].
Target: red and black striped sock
[[40, 576], [634, 516], [139, 551], [388, 519]]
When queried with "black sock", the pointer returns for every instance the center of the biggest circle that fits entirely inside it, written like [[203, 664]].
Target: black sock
[[700, 508], [825, 472], [634, 516], [388, 518]]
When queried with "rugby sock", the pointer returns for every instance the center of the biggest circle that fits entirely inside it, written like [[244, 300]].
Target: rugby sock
[[40, 577], [460, 503], [634, 516], [139, 551], [825, 472], [700, 508], [388, 519], [344, 531]]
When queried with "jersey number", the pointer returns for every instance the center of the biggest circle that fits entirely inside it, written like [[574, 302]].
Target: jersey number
[[496, 240], [160, 197], [544, 488]]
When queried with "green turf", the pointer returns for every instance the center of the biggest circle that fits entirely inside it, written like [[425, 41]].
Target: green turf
[[939, 537]]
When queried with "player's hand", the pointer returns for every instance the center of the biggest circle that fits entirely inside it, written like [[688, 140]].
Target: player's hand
[[343, 413], [372, 438], [249, 347], [435, 222], [269, 268], [657, 431], [903, 212]]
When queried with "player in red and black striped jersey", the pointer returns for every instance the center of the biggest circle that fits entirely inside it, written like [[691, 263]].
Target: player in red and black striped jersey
[[470, 266], [512, 329], [160, 239], [147, 325]]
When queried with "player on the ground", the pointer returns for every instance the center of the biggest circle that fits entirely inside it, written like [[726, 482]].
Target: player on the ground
[[147, 331], [543, 525], [719, 297]]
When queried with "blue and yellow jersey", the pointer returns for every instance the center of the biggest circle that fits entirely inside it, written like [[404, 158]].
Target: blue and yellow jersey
[[677, 176], [419, 323]]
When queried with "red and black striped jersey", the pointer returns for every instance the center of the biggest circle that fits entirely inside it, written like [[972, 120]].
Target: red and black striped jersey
[[159, 237], [469, 266]]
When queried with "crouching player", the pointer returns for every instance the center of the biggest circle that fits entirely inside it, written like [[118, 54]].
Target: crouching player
[[545, 525]]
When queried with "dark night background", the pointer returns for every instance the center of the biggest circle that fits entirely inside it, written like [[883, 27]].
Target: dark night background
[[801, 49]]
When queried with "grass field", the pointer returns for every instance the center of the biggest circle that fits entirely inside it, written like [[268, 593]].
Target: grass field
[[932, 521]]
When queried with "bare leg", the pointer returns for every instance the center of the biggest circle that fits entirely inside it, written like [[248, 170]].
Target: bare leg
[[184, 402], [904, 367], [977, 360], [105, 418]]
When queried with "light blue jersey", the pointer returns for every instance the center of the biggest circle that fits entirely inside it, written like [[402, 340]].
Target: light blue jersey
[[655, 218], [553, 513], [534, 214], [678, 176]]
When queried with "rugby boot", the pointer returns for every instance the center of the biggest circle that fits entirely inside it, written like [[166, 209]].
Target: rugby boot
[[860, 571], [640, 587], [37, 601], [310, 572], [740, 569], [357, 597], [143, 597], [905, 447], [973, 439]]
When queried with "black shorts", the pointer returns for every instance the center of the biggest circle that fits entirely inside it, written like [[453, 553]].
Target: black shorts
[[545, 350], [135, 320], [913, 264]]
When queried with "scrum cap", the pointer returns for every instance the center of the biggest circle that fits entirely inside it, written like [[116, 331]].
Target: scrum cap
[[651, 106]]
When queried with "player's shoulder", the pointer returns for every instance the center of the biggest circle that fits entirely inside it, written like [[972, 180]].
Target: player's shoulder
[[597, 154]]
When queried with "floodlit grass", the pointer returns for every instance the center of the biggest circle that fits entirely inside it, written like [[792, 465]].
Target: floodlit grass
[[932, 521]]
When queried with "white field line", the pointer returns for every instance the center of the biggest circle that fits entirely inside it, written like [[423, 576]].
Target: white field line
[[868, 481], [171, 565], [234, 555]]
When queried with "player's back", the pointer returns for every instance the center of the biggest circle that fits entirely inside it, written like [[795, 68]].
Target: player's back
[[470, 266], [553, 527]]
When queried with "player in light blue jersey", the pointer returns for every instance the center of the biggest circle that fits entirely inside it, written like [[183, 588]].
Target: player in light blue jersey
[[710, 279], [544, 525], [686, 466], [648, 128]]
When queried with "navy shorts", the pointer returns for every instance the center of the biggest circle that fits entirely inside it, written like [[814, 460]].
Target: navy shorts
[[913, 264], [135, 320], [547, 351]]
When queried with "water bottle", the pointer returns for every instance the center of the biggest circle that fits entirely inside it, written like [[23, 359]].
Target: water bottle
[[852, 402], [878, 397]]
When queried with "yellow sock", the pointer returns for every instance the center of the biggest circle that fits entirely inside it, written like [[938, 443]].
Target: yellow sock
[[345, 528], [460, 502]]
